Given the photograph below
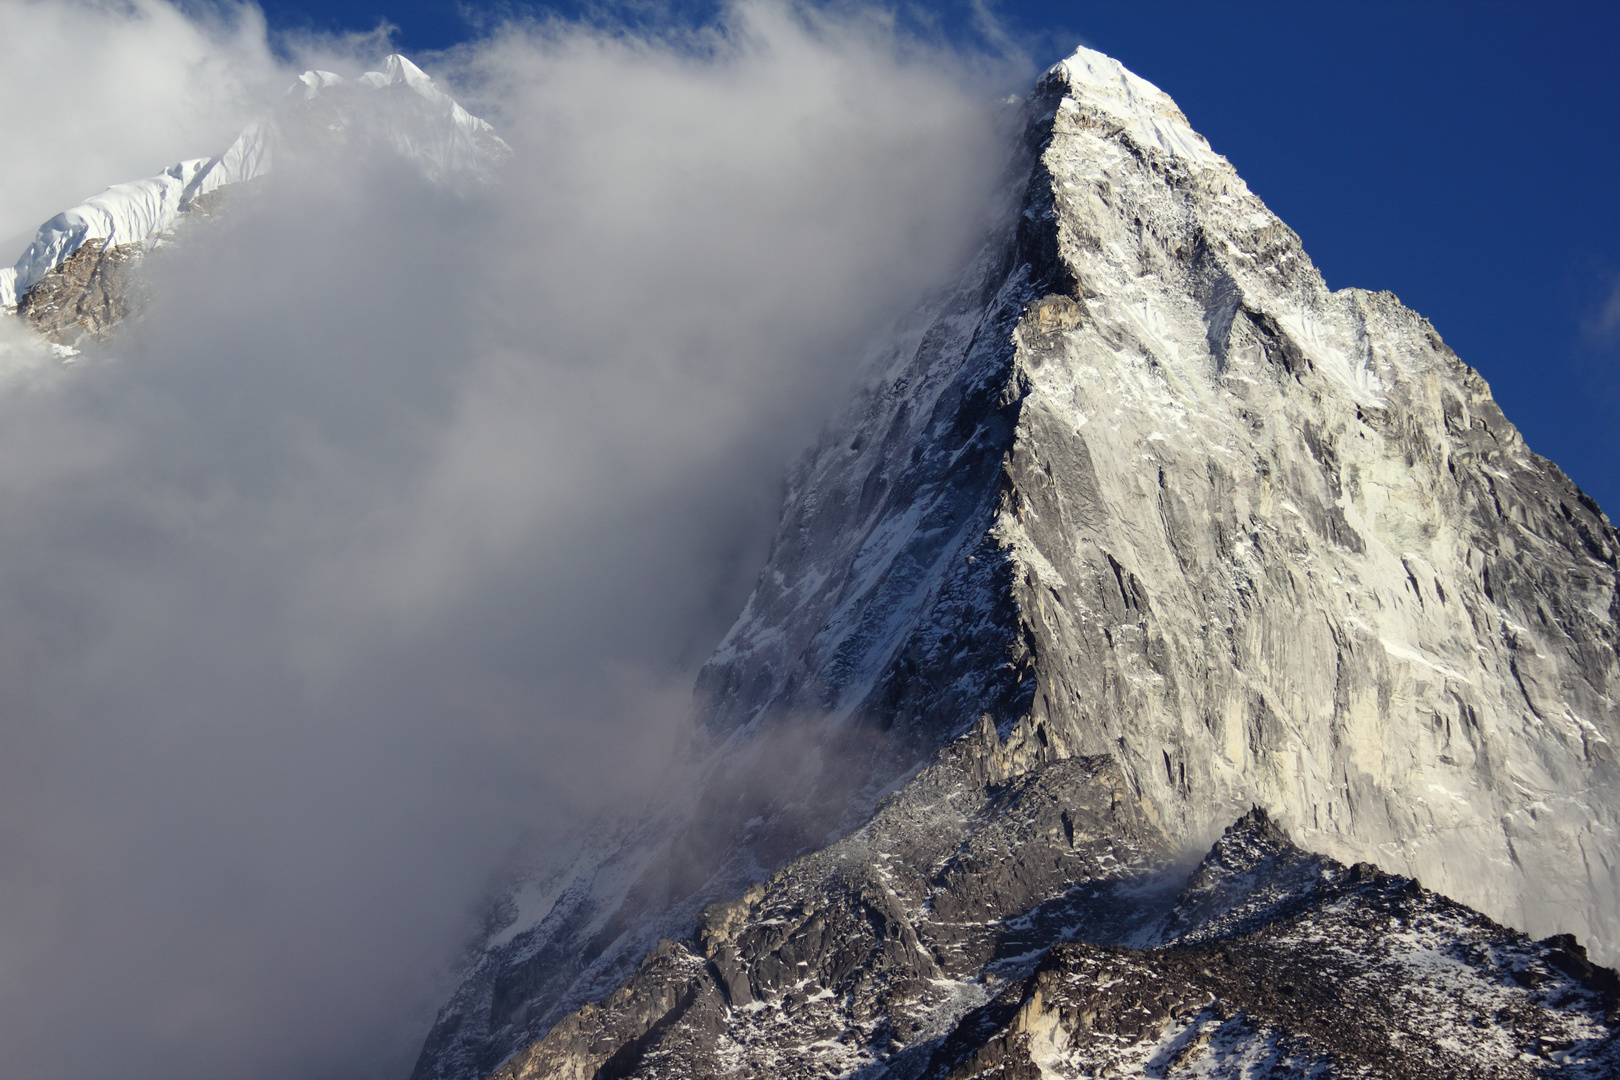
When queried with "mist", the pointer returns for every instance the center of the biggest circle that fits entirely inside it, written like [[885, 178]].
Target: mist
[[100, 93], [386, 544]]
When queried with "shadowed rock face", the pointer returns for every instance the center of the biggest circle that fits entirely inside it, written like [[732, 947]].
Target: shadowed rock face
[[850, 955], [1142, 507], [896, 630]]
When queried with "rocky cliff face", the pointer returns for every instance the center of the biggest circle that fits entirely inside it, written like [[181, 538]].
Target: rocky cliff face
[[1139, 528], [1283, 548], [89, 292]]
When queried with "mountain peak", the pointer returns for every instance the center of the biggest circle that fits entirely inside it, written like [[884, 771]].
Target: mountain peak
[[1111, 94], [397, 68], [428, 128]]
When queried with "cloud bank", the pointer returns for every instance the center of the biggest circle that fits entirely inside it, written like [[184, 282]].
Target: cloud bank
[[101, 93], [392, 535]]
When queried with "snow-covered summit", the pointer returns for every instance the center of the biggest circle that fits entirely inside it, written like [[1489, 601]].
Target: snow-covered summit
[[1106, 90], [1148, 488], [400, 106]]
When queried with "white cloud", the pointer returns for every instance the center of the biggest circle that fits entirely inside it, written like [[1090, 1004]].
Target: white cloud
[[99, 93], [395, 530]]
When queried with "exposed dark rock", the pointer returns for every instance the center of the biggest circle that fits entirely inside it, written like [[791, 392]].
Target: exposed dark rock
[[90, 292], [855, 953], [864, 959]]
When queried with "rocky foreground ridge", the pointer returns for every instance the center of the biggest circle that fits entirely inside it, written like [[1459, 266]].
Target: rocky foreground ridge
[[985, 927], [1137, 529]]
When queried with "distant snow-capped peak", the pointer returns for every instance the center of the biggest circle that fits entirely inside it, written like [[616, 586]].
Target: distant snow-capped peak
[[420, 121]]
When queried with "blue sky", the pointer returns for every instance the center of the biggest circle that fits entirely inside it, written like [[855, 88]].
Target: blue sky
[[1463, 156]]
